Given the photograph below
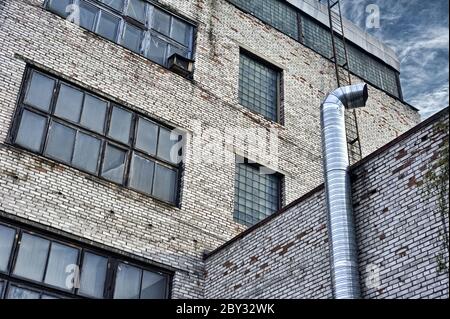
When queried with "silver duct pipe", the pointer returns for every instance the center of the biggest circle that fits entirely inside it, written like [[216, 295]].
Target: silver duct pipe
[[341, 228]]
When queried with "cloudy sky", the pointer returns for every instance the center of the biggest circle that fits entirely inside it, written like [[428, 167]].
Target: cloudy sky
[[418, 31]]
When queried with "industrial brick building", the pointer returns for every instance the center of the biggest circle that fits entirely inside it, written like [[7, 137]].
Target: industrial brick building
[[96, 94]]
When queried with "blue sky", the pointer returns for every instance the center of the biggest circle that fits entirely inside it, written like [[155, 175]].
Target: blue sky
[[419, 32]]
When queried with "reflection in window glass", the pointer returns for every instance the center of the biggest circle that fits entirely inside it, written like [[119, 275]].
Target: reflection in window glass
[[15, 292], [108, 26], [156, 50], [136, 10], [86, 152], [58, 269], [181, 32], [31, 131], [132, 38], [94, 112], [7, 236], [161, 21], [120, 125], [165, 182], [153, 286], [114, 164], [60, 142], [87, 15], [141, 174], [128, 282], [40, 91], [167, 148], [69, 103], [93, 275], [32, 257], [147, 135]]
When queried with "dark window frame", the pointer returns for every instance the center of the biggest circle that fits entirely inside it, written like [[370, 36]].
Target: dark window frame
[[130, 148], [279, 85], [143, 27], [240, 160], [8, 278]]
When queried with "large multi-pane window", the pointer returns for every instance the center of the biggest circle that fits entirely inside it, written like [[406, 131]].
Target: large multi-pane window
[[70, 125], [289, 20], [259, 86], [36, 266], [257, 192], [135, 24]]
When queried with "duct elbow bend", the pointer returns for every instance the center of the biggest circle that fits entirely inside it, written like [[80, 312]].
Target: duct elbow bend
[[352, 96]]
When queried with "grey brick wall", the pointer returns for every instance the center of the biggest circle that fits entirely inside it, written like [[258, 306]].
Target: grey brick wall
[[400, 232], [51, 194]]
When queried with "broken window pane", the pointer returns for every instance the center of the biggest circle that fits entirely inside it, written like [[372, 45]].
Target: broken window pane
[[141, 174], [167, 150], [136, 10], [164, 184], [31, 131], [94, 113], [128, 282], [86, 152], [114, 164], [120, 125], [153, 286], [40, 91], [60, 258], [93, 275], [108, 26], [147, 136], [69, 103], [60, 7], [132, 37], [6, 242], [60, 142], [161, 21], [32, 257], [87, 15], [156, 50], [181, 31]]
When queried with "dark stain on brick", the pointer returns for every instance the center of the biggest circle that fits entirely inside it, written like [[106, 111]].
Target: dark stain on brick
[[368, 194], [253, 259], [302, 234], [385, 210], [228, 264], [403, 166], [246, 272], [402, 153], [382, 237], [265, 265], [321, 227], [414, 182], [237, 286], [285, 248], [275, 249]]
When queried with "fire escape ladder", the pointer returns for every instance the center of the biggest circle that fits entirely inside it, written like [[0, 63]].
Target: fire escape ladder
[[343, 78]]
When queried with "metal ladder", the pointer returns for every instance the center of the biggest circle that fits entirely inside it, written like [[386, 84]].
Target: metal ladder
[[340, 59]]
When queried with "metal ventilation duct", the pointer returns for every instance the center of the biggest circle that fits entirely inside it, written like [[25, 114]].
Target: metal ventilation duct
[[341, 228]]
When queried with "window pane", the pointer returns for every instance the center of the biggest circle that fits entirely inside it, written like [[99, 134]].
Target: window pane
[[128, 281], [181, 31], [57, 273], [31, 131], [32, 257], [2, 285], [108, 26], [156, 50], [40, 91], [114, 164], [94, 112], [167, 149], [87, 15], [141, 174], [69, 103], [165, 182], [136, 10], [161, 21], [120, 125], [86, 152], [60, 142], [115, 4], [146, 138], [49, 297], [60, 7], [21, 293], [132, 37], [173, 49], [153, 286], [6, 242], [93, 274]]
